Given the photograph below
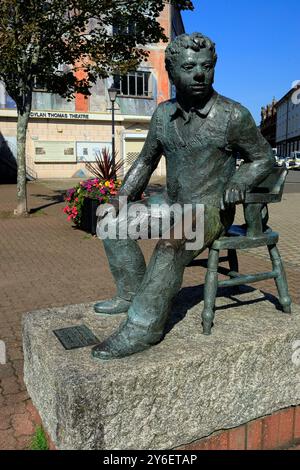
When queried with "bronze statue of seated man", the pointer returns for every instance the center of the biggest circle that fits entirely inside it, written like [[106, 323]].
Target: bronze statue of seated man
[[199, 133]]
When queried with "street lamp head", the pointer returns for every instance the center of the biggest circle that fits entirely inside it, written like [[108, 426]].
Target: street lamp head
[[112, 94]]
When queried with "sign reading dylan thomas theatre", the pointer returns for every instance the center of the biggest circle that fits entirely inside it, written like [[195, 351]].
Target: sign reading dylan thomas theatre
[[57, 115]]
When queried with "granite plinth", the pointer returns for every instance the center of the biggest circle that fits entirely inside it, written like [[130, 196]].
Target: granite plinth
[[179, 391]]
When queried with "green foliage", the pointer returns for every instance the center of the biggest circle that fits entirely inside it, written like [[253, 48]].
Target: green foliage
[[6, 214], [37, 37], [39, 440], [88, 236], [37, 213], [104, 168]]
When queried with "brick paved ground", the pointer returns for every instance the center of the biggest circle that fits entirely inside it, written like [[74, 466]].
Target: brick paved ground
[[44, 262]]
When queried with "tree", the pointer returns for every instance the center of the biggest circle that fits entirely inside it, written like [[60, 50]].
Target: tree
[[47, 42]]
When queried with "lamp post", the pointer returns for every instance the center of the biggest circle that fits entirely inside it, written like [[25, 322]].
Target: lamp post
[[112, 96]]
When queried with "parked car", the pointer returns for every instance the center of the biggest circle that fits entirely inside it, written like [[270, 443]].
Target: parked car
[[295, 159], [282, 161]]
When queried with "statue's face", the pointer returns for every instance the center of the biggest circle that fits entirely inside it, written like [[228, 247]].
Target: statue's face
[[193, 74]]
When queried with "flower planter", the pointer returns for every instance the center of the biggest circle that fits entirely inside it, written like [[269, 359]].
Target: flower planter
[[88, 221], [82, 201]]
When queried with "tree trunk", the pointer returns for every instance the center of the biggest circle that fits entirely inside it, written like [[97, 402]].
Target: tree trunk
[[23, 118]]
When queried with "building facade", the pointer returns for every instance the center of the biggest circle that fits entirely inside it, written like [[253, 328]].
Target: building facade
[[288, 123], [63, 135], [268, 122]]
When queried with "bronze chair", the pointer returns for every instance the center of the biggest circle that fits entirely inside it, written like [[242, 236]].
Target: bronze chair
[[254, 233]]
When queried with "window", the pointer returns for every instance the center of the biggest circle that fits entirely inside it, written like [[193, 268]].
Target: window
[[130, 29], [97, 101], [38, 85], [133, 84], [6, 102], [42, 99], [47, 101]]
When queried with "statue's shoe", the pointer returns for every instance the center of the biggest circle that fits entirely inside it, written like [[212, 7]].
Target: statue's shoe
[[129, 339], [112, 306]]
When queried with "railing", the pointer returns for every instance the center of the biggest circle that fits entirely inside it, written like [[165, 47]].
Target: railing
[[31, 174]]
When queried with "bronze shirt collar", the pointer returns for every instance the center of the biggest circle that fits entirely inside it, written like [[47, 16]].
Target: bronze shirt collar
[[202, 112]]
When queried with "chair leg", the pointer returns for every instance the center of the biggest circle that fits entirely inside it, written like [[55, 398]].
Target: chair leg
[[233, 261], [210, 291], [280, 280], [234, 266]]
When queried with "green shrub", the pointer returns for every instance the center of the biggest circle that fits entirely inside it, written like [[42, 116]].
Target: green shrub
[[39, 440]]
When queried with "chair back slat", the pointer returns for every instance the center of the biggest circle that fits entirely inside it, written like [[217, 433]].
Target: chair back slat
[[270, 189]]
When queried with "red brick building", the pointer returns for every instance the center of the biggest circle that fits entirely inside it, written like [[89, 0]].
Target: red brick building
[[63, 135]]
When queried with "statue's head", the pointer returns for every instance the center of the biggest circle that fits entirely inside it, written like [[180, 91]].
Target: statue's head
[[190, 62]]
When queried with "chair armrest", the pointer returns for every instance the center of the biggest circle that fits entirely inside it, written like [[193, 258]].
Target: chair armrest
[[270, 189]]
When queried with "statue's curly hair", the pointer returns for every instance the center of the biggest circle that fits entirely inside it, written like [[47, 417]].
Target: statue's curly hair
[[194, 41]]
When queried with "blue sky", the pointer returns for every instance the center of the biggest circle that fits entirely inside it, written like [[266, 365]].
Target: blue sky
[[258, 44]]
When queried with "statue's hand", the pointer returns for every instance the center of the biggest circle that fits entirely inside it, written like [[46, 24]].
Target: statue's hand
[[235, 193], [104, 209]]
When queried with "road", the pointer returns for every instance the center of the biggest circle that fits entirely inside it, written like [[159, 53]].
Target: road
[[292, 184]]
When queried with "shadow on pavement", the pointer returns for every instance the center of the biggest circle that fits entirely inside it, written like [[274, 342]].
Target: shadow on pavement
[[53, 198]]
